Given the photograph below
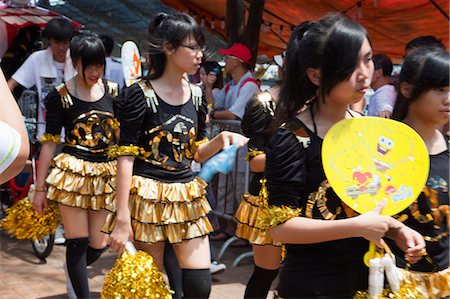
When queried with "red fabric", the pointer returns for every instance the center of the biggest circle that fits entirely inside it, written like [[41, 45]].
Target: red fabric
[[390, 23], [239, 51], [249, 79]]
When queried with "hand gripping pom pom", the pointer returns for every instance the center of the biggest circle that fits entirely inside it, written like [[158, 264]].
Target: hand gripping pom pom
[[135, 275]]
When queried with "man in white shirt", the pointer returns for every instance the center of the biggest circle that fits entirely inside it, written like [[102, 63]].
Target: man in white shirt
[[47, 68], [383, 100], [113, 69], [230, 101]]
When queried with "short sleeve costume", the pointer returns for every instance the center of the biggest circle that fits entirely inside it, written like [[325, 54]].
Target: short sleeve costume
[[297, 186], [81, 175], [259, 113], [167, 201]]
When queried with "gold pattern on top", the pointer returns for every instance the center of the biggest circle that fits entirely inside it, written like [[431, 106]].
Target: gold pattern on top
[[150, 95], [123, 150], [89, 132], [197, 95], [438, 212], [66, 100]]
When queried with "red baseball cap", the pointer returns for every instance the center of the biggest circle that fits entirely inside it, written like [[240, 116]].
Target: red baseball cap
[[240, 51]]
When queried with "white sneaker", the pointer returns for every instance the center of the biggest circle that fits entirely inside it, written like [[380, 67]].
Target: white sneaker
[[69, 287], [217, 268], [59, 235]]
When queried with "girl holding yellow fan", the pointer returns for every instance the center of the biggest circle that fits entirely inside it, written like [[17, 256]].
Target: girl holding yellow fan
[[328, 68]]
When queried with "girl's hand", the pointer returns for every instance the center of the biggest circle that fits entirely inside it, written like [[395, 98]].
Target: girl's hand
[[229, 138], [120, 235], [408, 240], [39, 201], [374, 226]]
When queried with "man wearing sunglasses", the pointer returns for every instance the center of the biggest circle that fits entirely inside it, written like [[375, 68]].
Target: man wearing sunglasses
[[230, 101]]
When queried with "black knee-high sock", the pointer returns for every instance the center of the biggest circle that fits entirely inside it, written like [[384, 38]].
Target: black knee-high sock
[[76, 265], [196, 283], [173, 271], [93, 254], [259, 284]]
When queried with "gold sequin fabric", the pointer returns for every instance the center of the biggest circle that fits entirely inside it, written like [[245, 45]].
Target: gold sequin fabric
[[23, 222], [432, 285], [248, 227], [47, 137], [166, 211], [274, 215], [78, 183], [135, 277]]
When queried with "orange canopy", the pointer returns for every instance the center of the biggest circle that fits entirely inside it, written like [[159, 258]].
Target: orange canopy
[[391, 23]]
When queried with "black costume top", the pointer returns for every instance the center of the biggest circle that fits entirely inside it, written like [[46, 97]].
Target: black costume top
[[88, 126], [428, 216], [163, 137], [296, 179], [258, 115]]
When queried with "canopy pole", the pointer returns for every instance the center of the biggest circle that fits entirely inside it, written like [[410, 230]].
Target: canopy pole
[[440, 9]]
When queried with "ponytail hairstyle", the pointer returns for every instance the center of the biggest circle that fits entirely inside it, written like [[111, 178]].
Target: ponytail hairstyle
[[425, 68], [88, 48], [332, 45], [169, 30]]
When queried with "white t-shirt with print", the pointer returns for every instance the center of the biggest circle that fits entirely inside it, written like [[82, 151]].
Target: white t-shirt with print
[[42, 71]]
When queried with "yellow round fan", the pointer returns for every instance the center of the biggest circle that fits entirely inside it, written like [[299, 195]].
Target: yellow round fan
[[368, 159]]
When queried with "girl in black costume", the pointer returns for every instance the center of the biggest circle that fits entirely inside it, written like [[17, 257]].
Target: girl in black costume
[[80, 177], [162, 119], [329, 66], [423, 102]]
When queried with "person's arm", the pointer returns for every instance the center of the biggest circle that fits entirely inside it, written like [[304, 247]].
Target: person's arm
[[45, 160], [11, 115], [223, 114], [218, 98], [131, 109], [122, 231], [205, 149], [25, 75], [49, 142], [286, 176], [387, 97], [254, 124]]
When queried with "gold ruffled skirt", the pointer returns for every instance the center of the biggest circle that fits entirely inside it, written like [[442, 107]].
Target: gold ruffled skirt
[[431, 285], [78, 183], [166, 211], [247, 227]]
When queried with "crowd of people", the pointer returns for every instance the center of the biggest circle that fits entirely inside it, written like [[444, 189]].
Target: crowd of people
[[123, 171]]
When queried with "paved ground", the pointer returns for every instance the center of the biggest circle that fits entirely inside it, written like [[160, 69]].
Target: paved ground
[[22, 275]]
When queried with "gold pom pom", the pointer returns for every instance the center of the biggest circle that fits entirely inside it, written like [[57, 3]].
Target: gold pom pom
[[407, 291], [135, 276], [23, 222]]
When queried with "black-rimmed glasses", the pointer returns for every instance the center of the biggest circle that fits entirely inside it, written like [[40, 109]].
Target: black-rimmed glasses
[[195, 48]]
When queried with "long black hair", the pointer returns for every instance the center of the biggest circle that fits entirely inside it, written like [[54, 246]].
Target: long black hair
[[424, 68], [171, 30], [88, 48], [332, 45]]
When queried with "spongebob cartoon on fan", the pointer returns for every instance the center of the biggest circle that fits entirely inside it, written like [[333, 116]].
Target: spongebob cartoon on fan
[[384, 159]]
